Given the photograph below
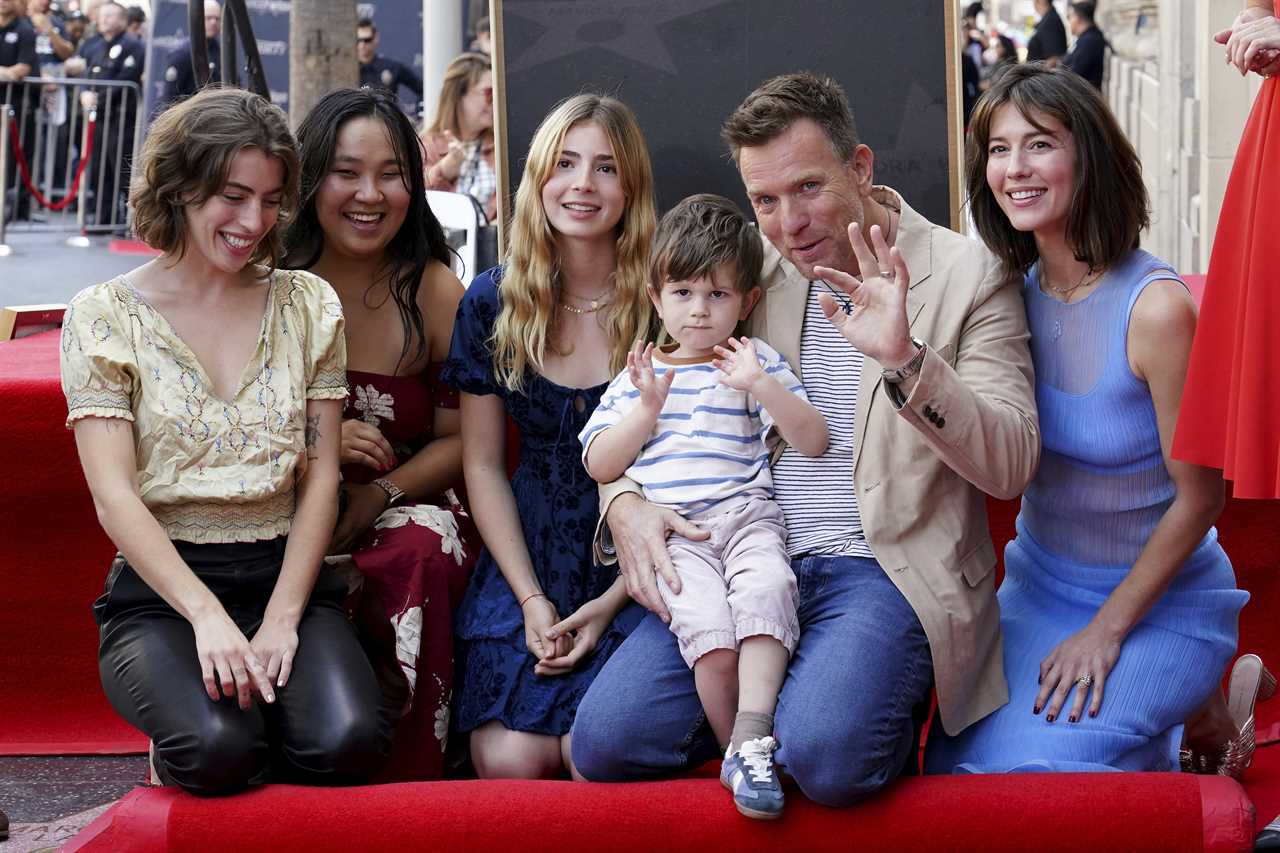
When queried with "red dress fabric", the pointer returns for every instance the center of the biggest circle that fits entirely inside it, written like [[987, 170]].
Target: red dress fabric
[[413, 567], [1230, 417]]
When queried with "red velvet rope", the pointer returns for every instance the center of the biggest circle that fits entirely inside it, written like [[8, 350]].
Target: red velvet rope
[[26, 172]]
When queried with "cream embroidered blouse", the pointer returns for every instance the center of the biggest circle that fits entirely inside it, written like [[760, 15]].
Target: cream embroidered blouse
[[210, 470]]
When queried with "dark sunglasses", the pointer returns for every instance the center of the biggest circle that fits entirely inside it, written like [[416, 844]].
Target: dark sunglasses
[[364, 40]]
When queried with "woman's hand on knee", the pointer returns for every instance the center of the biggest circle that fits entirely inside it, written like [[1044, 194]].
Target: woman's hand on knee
[[640, 536], [1082, 661], [228, 661], [276, 643]]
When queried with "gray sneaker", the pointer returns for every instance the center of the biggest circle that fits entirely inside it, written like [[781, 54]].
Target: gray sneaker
[[749, 773]]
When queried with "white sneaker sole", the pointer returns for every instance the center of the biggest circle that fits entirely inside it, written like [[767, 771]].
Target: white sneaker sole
[[748, 812]]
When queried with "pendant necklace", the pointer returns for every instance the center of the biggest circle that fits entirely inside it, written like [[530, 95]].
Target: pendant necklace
[[1089, 277], [594, 304]]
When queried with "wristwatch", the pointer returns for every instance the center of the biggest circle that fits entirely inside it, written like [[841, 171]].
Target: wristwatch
[[394, 493], [911, 368]]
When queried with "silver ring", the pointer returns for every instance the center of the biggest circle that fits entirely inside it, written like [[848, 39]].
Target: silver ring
[[1085, 680], [886, 273]]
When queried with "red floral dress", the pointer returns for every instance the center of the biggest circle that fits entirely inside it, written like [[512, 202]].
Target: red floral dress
[[412, 570]]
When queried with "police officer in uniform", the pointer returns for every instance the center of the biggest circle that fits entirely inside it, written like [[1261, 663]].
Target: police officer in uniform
[[179, 74], [112, 54], [17, 49], [17, 60], [382, 72]]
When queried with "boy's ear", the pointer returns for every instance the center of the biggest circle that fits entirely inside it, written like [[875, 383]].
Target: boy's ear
[[749, 301], [655, 299]]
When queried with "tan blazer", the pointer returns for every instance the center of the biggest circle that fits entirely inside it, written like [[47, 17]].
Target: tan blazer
[[920, 479]]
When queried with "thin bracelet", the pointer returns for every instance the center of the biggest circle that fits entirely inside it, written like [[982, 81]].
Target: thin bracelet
[[531, 596]]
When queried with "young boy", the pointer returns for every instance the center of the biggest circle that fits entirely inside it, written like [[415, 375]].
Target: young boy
[[690, 423]]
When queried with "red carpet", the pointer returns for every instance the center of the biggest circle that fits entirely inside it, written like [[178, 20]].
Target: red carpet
[[53, 559], [1132, 812], [1262, 783]]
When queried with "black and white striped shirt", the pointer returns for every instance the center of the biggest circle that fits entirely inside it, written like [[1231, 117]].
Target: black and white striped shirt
[[817, 494]]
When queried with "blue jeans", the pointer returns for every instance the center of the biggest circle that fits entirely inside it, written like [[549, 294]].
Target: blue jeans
[[844, 718]]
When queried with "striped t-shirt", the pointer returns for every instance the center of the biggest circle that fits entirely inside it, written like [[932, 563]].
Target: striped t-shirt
[[707, 452], [816, 493]]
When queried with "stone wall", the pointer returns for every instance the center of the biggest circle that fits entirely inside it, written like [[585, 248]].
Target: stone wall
[[1183, 108]]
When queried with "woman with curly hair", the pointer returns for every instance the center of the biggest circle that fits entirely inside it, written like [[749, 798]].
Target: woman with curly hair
[[538, 340], [205, 389]]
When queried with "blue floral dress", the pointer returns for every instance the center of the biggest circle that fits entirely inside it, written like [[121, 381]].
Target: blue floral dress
[[558, 506]]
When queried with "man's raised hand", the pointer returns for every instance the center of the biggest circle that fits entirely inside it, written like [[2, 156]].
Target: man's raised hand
[[874, 318]]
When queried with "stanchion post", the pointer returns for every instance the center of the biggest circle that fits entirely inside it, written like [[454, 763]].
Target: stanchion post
[[6, 116], [80, 241]]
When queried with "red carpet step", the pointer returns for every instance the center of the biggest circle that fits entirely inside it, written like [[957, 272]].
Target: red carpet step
[[53, 560], [1033, 812]]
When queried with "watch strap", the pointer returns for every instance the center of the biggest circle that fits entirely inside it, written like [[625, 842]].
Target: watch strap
[[911, 368], [394, 493]]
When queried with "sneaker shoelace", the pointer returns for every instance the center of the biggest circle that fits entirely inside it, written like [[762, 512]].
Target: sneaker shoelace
[[758, 756]]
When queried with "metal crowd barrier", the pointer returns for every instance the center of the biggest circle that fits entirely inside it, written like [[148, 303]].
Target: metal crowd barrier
[[66, 148]]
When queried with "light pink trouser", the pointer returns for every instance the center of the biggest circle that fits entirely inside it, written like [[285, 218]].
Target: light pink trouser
[[736, 584]]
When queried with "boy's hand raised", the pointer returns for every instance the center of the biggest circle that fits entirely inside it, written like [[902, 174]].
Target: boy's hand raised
[[739, 364], [653, 388]]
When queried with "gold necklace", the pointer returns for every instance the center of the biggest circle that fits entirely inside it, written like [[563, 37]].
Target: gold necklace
[[594, 303], [595, 306], [1089, 277]]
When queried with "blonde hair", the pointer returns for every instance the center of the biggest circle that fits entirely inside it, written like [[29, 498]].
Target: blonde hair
[[461, 74], [526, 324]]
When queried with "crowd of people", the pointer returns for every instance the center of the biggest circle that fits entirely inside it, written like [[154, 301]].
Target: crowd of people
[[991, 50], [41, 38], [95, 41], [747, 521]]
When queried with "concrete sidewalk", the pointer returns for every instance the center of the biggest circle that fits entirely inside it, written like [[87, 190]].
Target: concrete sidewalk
[[43, 268]]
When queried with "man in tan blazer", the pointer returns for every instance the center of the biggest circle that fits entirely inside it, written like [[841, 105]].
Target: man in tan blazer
[[915, 350]]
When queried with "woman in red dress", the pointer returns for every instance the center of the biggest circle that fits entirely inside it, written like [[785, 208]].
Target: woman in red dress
[[1231, 401], [405, 541]]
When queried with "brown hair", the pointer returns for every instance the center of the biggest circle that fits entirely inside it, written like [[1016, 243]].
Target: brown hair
[[698, 235], [780, 102], [187, 157], [1109, 202]]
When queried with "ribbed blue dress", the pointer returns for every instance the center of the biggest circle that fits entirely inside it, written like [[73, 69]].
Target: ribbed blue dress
[[1101, 489]]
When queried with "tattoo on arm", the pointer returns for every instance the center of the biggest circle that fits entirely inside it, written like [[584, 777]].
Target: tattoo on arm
[[312, 434]]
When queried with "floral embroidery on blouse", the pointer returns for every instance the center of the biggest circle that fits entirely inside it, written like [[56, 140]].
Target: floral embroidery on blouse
[[210, 470]]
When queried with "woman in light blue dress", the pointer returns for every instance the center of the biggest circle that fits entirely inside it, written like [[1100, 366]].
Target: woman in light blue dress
[[1119, 608]]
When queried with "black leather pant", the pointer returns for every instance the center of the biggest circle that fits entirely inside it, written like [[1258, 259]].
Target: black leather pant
[[329, 725]]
